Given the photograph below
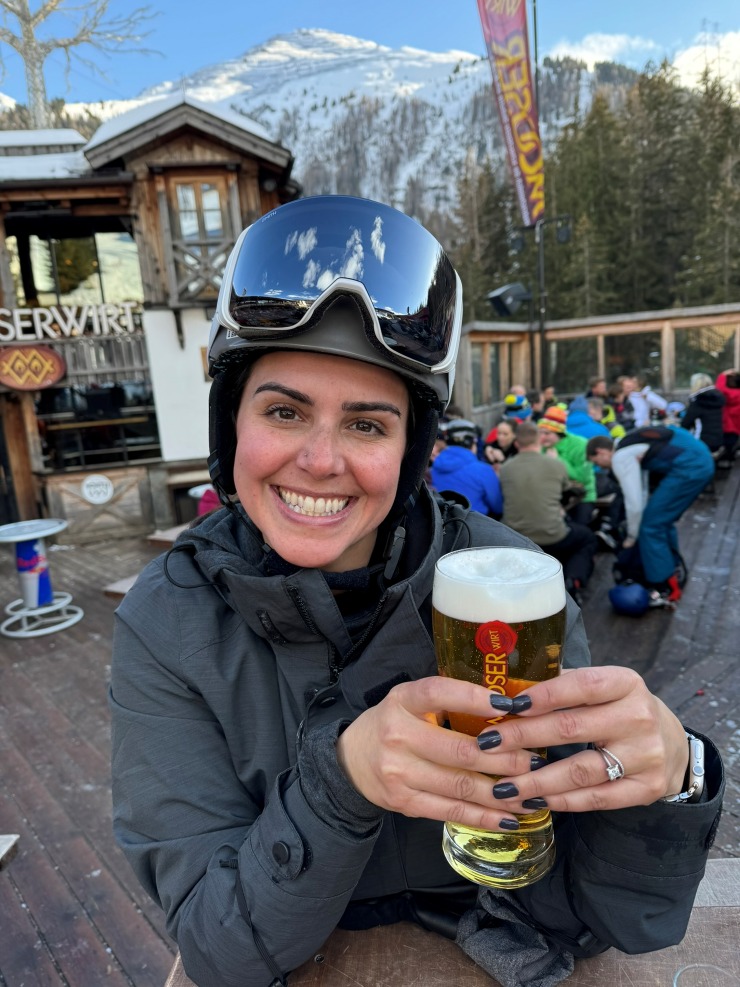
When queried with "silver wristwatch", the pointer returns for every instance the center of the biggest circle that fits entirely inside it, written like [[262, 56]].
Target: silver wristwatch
[[694, 781]]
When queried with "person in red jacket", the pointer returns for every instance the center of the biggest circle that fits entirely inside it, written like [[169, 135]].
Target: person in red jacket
[[728, 382]]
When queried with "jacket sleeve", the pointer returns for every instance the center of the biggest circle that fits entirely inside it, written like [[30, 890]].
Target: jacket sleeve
[[493, 495], [626, 878], [626, 467], [690, 415], [199, 841]]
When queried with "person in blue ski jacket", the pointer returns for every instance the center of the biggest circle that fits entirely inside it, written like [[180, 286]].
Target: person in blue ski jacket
[[458, 469], [580, 420], [685, 466]]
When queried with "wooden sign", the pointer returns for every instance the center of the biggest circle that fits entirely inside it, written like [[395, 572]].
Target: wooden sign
[[30, 368]]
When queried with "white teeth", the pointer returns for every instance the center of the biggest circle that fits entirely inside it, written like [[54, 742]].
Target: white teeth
[[313, 507]]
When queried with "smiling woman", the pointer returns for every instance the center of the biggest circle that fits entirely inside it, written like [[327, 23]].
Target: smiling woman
[[281, 763], [318, 455]]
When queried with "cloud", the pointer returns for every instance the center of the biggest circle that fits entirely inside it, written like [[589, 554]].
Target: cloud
[[720, 53], [622, 48]]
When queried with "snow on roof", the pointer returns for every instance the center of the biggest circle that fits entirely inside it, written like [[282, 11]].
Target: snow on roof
[[158, 106], [40, 138], [29, 167]]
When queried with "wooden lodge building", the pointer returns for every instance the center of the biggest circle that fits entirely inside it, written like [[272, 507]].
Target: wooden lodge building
[[110, 258], [662, 348]]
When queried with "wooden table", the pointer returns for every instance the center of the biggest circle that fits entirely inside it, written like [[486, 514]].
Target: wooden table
[[404, 954]]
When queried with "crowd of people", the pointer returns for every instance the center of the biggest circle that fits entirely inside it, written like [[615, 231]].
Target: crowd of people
[[615, 468]]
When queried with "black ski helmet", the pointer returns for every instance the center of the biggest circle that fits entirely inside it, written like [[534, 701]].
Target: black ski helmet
[[347, 277]]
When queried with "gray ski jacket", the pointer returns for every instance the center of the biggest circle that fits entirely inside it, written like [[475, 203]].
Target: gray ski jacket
[[229, 688]]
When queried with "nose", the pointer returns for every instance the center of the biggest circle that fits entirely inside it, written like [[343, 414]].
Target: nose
[[320, 454]]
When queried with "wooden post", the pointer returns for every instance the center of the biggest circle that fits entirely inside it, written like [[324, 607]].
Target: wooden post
[[7, 287], [17, 408]]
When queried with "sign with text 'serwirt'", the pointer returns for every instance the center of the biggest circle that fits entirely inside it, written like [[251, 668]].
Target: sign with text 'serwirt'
[[57, 322], [505, 31]]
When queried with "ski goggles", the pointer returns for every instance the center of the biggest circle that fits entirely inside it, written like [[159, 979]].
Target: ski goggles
[[285, 268]]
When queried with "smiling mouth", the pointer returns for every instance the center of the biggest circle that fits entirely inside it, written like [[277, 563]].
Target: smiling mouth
[[312, 506]]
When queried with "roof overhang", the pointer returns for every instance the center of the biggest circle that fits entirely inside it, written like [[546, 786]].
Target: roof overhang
[[180, 117]]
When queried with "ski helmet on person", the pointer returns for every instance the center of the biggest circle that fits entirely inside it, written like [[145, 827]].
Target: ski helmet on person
[[459, 432], [344, 276]]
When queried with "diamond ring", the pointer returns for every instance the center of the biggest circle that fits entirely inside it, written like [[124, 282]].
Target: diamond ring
[[614, 767]]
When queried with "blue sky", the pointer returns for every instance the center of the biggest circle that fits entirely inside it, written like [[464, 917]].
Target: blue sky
[[190, 35]]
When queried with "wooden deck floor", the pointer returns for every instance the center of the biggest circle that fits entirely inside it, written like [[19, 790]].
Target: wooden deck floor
[[72, 913]]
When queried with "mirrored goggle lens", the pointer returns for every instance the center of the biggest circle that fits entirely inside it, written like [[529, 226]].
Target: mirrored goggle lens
[[291, 256]]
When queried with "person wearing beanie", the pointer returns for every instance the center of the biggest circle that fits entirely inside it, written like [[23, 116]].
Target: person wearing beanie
[[555, 440], [582, 418], [517, 408]]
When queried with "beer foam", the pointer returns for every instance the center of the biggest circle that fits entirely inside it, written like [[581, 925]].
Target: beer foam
[[498, 583]]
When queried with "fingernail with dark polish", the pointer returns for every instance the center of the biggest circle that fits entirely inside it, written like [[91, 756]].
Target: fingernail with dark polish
[[488, 740], [505, 790], [534, 804], [503, 704], [537, 762], [521, 703], [508, 824]]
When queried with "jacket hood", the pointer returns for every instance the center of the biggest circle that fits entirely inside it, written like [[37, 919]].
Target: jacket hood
[[708, 397], [452, 459], [579, 403]]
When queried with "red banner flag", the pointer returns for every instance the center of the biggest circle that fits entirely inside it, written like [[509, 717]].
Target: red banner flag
[[505, 31]]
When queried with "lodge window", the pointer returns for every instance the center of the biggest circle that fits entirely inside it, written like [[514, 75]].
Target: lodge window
[[571, 362], [88, 270], [104, 414], [201, 236], [705, 349], [634, 355]]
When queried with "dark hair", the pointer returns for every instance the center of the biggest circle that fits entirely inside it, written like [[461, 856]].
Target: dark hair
[[597, 442]]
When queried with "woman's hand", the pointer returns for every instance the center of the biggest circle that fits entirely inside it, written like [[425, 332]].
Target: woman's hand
[[611, 707], [399, 757]]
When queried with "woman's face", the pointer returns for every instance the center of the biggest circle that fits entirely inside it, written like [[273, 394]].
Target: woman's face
[[320, 441], [504, 434]]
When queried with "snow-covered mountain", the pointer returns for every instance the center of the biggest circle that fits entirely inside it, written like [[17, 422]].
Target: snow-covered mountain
[[361, 118]]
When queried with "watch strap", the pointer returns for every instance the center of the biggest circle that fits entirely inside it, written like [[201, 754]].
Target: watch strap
[[694, 781]]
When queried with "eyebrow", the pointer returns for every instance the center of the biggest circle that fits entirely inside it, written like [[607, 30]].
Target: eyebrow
[[363, 407], [272, 385]]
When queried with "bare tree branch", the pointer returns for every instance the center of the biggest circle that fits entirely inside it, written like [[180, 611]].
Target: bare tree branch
[[94, 28]]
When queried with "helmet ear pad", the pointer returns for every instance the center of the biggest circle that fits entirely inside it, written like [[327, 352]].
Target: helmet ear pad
[[223, 402]]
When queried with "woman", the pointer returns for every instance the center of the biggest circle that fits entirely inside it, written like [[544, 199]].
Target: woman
[[278, 765], [500, 445]]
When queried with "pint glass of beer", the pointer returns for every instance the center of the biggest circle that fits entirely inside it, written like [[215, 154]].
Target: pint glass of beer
[[499, 621]]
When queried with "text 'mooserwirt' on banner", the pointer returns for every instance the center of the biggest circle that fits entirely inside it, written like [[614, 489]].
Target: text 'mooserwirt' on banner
[[505, 31]]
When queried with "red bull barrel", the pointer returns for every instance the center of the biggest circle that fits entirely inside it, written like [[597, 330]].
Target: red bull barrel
[[33, 573]]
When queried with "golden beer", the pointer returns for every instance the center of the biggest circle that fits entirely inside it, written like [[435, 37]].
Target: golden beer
[[499, 621]]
